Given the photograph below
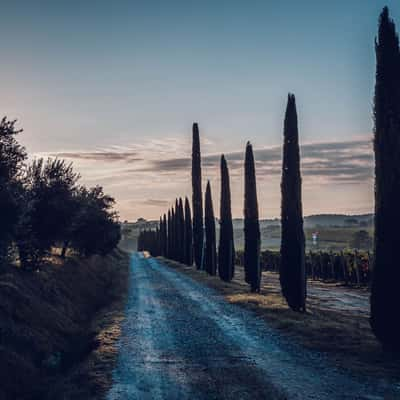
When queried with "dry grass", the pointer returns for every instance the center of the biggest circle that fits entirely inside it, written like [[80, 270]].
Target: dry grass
[[92, 377], [53, 322], [345, 337]]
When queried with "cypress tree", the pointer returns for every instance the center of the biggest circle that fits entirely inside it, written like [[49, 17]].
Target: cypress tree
[[292, 272], [197, 201], [251, 224], [169, 229], [161, 236], [188, 234], [140, 241], [385, 294], [226, 247], [210, 256], [173, 233], [163, 239], [156, 242], [181, 231], [177, 233], [165, 236]]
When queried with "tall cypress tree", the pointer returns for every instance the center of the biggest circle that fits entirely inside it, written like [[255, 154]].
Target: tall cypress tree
[[170, 234], [252, 266], [176, 231], [197, 201], [165, 236], [156, 242], [173, 233], [188, 234], [292, 270], [210, 256], [385, 293], [226, 247], [181, 231], [161, 236]]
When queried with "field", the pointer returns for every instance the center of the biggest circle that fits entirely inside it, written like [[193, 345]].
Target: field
[[334, 232]]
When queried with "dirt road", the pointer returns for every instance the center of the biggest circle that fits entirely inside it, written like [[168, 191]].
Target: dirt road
[[181, 340]]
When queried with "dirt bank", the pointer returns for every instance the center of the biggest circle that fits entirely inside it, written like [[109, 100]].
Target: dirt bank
[[58, 326]]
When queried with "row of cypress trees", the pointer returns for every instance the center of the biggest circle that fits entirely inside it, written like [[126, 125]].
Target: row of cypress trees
[[173, 237], [187, 241], [184, 241], [385, 296]]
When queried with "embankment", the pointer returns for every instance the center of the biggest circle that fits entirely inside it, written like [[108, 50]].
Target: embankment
[[59, 326]]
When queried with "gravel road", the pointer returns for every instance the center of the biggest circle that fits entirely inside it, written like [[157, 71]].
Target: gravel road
[[181, 340]]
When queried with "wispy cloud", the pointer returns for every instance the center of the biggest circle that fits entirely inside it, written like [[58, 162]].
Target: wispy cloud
[[346, 161], [149, 175], [156, 202], [99, 156]]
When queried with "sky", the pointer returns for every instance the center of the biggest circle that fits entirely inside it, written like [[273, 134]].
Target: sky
[[114, 87]]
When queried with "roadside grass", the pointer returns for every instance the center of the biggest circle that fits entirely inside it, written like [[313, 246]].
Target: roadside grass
[[59, 326], [92, 378], [345, 337]]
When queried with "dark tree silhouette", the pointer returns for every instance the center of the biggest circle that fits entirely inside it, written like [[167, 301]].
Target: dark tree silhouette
[[165, 237], [292, 271], [49, 195], [12, 157], [251, 224], [197, 201], [226, 248], [173, 234], [188, 234], [181, 231], [210, 256], [176, 231], [385, 294], [170, 235], [96, 229], [42, 207], [161, 234], [148, 240]]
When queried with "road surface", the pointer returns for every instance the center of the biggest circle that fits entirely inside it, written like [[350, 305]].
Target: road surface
[[181, 340]]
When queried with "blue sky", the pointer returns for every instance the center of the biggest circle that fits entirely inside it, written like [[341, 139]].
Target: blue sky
[[132, 76]]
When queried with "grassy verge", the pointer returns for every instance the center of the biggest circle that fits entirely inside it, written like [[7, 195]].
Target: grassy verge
[[346, 338], [55, 324]]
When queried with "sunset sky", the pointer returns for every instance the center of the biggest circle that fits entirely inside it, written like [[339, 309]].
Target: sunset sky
[[115, 86]]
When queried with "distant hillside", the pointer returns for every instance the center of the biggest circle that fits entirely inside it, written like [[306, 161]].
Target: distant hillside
[[323, 220], [334, 230], [309, 221], [338, 220]]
